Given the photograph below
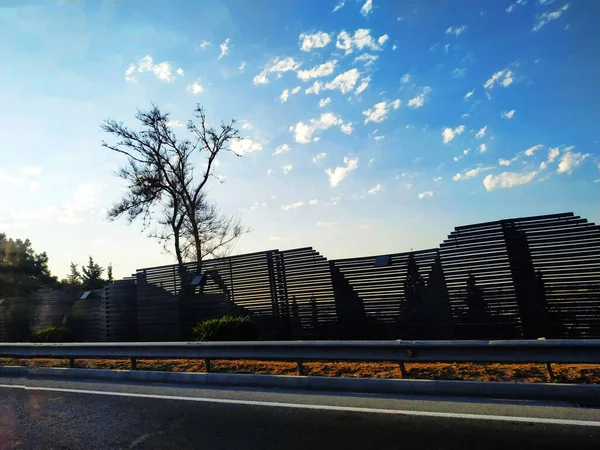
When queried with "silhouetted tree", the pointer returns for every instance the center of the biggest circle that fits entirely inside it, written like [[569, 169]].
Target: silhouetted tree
[[109, 273], [22, 271], [475, 300], [414, 287], [92, 276], [163, 188]]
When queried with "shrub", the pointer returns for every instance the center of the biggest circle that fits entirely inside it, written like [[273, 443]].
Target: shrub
[[226, 328], [53, 334]]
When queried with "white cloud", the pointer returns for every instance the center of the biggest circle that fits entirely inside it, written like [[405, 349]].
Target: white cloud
[[436, 179], [379, 138], [339, 6], [323, 70], [284, 95], [367, 8], [315, 88], [224, 48], [179, 72], [275, 238], [303, 132], [505, 77], [347, 128], [457, 31], [366, 58], [361, 39], [531, 150], [382, 39], [380, 111], [344, 82], [313, 202], [482, 148], [317, 40], [324, 102], [469, 94], [448, 133], [339, 173], [293, 206], [394, 47], [504, 162], [295, 90], [6, 178], [247, 125], [470, 173], [422, 195], [269, 172], [405, 79], [317, 158], [510, 8], [32, 170], [507, 114], [277, 66], [419, 100], [552, 155], [546, 17], [287, 169], [246, 146], [371, 161], [569, 161], [481, 133], [203, 45], [283, 148], [507, 180], [242, 66], [175, 124], [364, 83], [195, 88], [162, 71], [326, 224], [374, 190]]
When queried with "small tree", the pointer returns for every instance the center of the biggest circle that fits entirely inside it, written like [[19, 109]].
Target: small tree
[[109, 274], [166, 189], [92, 275]]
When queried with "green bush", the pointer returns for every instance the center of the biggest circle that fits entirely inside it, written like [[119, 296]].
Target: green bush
[[53, 334], [226, 328]]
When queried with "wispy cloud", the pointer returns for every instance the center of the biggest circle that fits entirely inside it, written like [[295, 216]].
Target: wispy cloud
[[374, 190], [448, 134], [507, 114], [344, 82], [531, 150], [278, 66], [317, 40], [481, 133], [163, 71], [457, 31], [380, 111], [283, 148], [547, 17], [470, 173], [287, 169], [339, 173], [246, 146], [318, 157], [324, 102], [419, 100], [469, 94], [504, 77], [367, 8], [292, 206], [360, 40], [303, 132], [570, 160], [224, 48], [425, 194], [507, 180], [195, 88], [339, 6], [322, 70]]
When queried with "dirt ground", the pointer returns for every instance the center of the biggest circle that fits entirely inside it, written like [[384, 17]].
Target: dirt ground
[[535, 373]]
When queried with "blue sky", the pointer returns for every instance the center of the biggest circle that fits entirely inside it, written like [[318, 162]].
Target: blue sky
[[369, 127]]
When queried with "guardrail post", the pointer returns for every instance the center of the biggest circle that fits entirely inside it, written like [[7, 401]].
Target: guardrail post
[[300, 368], [71, 363], [207, 364], [550, 372], [403, 370], [133, 363]]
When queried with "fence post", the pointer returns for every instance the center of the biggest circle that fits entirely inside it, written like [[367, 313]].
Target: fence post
[[550, 372], [403, 370], [133, 363], [300, 368], [71, 363], [207, 364]]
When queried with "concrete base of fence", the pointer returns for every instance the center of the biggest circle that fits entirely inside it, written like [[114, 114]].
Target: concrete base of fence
[[582, 394]]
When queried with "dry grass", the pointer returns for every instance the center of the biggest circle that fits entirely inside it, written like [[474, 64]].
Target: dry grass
[[535, 373]]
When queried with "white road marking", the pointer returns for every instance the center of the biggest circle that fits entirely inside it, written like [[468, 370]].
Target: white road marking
[[448, 415]]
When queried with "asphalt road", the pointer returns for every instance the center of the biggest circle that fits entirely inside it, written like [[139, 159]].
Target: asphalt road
[[52, 414]]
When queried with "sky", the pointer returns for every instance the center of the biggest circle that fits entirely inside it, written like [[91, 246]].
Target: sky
[[368, 127]]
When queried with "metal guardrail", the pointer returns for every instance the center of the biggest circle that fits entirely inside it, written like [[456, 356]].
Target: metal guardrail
[[507, 351]]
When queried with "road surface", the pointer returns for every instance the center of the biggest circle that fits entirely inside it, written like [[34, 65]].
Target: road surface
[[46, 414]]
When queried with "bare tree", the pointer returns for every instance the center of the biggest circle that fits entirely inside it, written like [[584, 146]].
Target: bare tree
[[163, 189]]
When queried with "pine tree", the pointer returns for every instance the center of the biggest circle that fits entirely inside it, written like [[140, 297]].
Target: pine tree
[[92, 275], [109, 274]]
